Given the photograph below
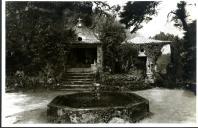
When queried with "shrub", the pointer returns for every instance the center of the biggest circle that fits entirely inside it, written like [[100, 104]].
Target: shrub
[[121, 82], [167, 80], [19, 80]]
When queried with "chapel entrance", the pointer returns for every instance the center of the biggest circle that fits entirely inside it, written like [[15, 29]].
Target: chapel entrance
[[141, 65], [82, 57]]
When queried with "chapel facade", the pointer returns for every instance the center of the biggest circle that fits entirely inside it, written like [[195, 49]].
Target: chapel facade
[[86, 54]]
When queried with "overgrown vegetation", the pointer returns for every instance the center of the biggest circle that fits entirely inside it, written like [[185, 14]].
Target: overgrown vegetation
[[137, 12], [189, 53], [122, 82], [186, 47], [117, 57], [37, 40], [38, 35], [173, 69]]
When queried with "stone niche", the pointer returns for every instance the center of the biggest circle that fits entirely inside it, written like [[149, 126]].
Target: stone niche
[[150, 51]]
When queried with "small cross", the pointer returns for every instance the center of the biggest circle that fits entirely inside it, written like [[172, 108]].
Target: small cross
[[79, 19]]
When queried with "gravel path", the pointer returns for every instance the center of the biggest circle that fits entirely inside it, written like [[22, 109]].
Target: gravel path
[[167, 106]]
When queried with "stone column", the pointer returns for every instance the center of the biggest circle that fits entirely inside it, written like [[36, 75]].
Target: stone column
[[99, 57], [149, 70]]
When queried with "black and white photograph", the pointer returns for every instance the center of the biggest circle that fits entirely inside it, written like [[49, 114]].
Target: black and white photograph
[[99, 63]]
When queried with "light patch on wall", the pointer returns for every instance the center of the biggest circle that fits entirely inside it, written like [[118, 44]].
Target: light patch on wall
[[166, 49]]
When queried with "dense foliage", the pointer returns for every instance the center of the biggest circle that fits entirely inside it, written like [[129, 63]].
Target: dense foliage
[[34, 38], [38, 35], [122, 82], [117, 56], [180, 16], [127, 55], [166, 37], [189, 45], [136, 12], [176, 49], [189, 54], [37, 38], [182, 69]]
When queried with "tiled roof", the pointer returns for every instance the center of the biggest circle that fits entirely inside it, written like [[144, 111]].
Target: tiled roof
[[143, 40], [87, 35]]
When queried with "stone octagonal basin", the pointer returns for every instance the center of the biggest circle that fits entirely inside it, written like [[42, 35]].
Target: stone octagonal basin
[[97, 108]]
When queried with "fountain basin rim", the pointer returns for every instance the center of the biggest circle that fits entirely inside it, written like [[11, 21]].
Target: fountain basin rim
[[99, 108], [59, 110], [94, 108]]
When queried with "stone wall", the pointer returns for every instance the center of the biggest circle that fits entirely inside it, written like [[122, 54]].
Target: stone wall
[[152, 51]]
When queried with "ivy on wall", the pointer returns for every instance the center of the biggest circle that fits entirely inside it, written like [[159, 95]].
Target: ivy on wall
[[152, 50]]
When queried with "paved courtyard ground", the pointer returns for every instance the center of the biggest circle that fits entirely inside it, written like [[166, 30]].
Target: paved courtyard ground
[[167, 106]]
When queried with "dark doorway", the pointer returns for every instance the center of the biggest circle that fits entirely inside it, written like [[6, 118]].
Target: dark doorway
[[82, 57], [141, 65]]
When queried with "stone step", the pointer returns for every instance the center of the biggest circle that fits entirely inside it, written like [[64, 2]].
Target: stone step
[[79, 82], [75, 79], [79, 77], [76, 87], [80, 73], [79, 70]]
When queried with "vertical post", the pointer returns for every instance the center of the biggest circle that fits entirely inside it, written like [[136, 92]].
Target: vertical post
[[149, 70], [99, 57]]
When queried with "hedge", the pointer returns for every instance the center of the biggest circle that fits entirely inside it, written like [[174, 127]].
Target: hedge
[[122, 82]]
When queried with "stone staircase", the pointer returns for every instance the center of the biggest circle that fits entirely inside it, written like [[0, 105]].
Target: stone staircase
[[78, 81]]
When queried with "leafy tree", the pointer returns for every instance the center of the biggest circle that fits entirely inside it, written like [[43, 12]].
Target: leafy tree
[[189, 53], [180, 16], [112, 34], [189, 46], [118, 57], [166, 37], [127, 57], [134, 13], [34, 37], [174, 69], [38, 33]]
